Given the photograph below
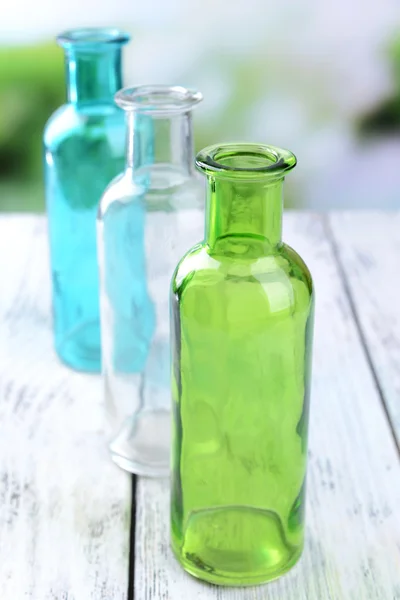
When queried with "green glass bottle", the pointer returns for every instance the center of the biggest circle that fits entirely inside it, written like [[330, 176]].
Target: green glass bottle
[[242, 322]]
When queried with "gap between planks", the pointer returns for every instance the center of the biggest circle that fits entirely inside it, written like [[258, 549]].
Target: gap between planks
[[358, 324], [132, 542]]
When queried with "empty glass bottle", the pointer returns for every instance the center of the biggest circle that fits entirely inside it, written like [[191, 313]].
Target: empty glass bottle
[[84, 149], [242, 320], [148, 216]]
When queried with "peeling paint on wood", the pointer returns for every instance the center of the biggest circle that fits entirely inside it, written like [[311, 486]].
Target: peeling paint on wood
[[368, 245], [64, 507]]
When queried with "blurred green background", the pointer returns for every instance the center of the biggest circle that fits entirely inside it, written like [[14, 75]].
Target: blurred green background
[[323, 81], [31, 88]]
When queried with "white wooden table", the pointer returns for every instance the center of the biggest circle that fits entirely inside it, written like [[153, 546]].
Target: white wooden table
[[75, 527]]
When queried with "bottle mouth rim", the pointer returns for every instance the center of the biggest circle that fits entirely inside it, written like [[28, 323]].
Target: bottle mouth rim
[[245, 159], [158, 99], [92, 37]]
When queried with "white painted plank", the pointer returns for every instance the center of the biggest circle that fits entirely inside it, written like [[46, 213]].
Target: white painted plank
[[368, 244], [64, 507], [353, 511]]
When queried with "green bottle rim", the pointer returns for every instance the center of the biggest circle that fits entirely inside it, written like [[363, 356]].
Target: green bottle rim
[[245, 160]]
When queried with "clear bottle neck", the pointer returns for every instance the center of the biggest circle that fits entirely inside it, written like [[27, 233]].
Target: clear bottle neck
[[159, 120], [243, 208], [93, 76], [160, 141]]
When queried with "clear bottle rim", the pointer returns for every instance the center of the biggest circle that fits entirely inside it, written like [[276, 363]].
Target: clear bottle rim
[[158, 99], [243, 160], [92, 38]]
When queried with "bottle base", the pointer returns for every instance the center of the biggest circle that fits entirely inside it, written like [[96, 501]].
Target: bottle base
[[81, 350], [142, 444], [236, 546], [137, 468]]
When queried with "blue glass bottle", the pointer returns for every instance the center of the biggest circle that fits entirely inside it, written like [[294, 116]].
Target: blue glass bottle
[[84, 143]]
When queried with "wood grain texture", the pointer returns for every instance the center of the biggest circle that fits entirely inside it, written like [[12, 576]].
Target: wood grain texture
[[368, 247], [353, 512], [64, 507]]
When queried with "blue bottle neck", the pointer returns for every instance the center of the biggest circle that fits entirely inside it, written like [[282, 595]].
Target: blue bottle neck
[[93, 77]]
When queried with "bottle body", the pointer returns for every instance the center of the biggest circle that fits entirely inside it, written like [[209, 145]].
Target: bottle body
[[147, 217], [242, 318], [84, 149], [84, 152], [142, 233]]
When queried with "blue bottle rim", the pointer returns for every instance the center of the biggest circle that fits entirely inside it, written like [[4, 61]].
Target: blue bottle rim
[[91, 38]]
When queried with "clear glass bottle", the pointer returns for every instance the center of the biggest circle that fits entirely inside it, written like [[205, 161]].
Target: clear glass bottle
[[148, 216], [84, 143], [242, 322]]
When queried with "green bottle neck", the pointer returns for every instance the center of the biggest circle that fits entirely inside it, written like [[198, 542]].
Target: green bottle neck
[[244, 208], [93, 76]]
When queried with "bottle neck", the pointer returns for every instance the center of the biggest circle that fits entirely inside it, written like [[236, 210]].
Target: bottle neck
[[93, 76], [160, 140], [244, 208]]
